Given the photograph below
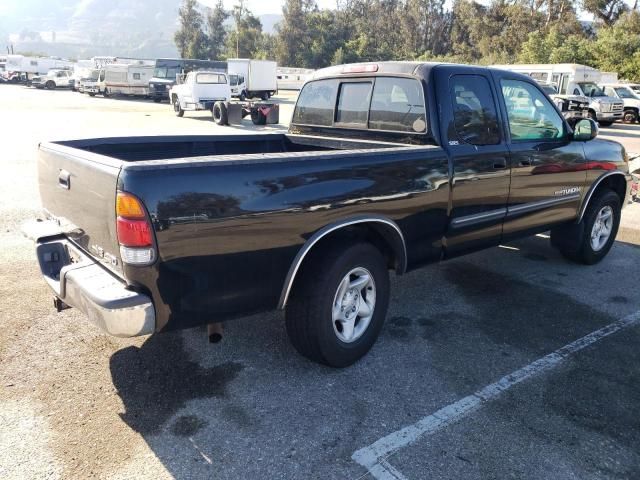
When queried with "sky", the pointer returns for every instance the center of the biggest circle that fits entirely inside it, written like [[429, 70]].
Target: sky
[[262, 7]]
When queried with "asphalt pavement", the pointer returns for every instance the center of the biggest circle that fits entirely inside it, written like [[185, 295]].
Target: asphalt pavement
[[507, 363]]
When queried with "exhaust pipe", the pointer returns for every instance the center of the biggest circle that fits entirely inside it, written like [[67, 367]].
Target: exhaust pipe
[[214, 332]]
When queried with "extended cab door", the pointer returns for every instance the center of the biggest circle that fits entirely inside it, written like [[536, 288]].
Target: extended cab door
[[547, 169], [480, 159]]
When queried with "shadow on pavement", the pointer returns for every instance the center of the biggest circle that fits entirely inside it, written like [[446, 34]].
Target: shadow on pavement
[[157, 379]]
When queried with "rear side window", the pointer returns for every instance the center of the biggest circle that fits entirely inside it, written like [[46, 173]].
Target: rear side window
[[384, 103], [353, 103], [210, 78], [316, 102], [398, 105], [475, 116]]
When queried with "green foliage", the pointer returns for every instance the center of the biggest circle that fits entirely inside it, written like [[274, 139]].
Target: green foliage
[[216, 32], [190, 39], [469, 31], [618, 47]]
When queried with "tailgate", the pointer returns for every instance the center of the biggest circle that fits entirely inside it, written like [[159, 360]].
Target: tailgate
[[78, 190]]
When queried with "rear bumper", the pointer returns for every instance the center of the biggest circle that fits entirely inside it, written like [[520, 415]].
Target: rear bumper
[[79, 281]]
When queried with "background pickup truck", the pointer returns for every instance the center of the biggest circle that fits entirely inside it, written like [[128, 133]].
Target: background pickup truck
[[386, 166]]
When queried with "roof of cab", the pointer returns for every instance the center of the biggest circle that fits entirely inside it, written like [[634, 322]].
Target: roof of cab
[[418, 69]]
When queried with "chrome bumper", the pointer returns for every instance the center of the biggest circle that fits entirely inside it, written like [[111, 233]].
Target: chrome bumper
[[79, 281]]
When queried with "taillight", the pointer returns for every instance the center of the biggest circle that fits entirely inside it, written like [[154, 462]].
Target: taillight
[[135, 233]]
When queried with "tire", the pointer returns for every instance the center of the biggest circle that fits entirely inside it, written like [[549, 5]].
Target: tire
[[605, 124], [592, 115], [157, 100], [177, 108], [309, 317], [105, 93], [50, 85], [92, 94], [575, 241], [242, 97], [630, 116], [258, 118], [220, 114], [264, 96]]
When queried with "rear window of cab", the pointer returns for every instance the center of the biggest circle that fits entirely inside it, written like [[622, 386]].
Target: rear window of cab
[[392, 104]]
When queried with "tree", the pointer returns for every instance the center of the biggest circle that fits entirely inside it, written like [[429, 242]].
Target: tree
[[293, 39], [189, 38], [246, 39], [606, 11], [618, 47], [216, 32]]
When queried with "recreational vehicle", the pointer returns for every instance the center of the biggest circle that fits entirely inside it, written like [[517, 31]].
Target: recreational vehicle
[[121, 79], [292, 78], [31, 66]]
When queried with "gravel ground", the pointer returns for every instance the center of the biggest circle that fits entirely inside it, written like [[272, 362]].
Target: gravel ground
[[75, 403]]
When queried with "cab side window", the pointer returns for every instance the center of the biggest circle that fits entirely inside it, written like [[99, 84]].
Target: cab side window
[[531, 116], [474, 110]]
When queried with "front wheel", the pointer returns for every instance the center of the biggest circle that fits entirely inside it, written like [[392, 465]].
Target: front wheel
[[177, 108], [339, 303], [50, 85], [630, 116], [242, 97], [589, 241]]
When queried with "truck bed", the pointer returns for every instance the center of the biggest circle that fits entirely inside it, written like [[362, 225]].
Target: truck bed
[[133, 149]]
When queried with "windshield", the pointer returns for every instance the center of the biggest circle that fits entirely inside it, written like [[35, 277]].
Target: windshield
[[93, 75], [591, 89], [624, 93], [635, 88], [549, 90], [166, 72]]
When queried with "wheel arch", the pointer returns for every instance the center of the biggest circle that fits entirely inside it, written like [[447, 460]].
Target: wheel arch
[[382, 232], [615, 181]]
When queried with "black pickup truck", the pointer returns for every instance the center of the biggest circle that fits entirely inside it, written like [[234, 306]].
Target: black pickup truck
[[386, 166]]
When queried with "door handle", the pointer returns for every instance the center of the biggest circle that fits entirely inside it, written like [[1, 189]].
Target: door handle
[[64, 179]]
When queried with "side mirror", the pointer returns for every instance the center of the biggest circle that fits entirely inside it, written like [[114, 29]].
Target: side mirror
[[586, 129]]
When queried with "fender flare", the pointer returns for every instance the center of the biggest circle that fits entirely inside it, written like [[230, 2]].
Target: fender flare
[[593, 188], [323, 232]]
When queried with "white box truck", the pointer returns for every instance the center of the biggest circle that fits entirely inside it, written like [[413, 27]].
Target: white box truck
[[575, 79], [252, 78]]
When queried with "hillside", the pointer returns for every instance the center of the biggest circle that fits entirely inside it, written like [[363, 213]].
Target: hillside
[[83, 28]]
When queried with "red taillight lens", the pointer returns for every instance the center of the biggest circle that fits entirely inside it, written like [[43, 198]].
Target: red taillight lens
[[360, 68], [134, 233]]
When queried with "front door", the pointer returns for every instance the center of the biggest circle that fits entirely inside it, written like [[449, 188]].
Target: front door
[[480, 161], [548, 169]]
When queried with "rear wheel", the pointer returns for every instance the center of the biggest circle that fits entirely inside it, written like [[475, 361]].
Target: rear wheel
[[339, 304], [105, 93], [157, 100], [242, 97], [258, 118], [590, 240], [177, 108], [265, 96], [219, 112], [50, 85]]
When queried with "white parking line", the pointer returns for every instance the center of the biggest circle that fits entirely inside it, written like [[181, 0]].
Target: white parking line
[[374, 457]]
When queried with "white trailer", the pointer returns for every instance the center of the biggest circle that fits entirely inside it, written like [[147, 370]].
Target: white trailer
[[252, 78], [122, 79], [35, 65], [575, 79], [292, 78]]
